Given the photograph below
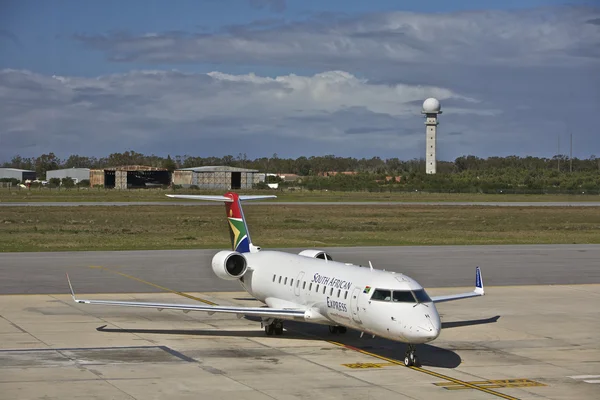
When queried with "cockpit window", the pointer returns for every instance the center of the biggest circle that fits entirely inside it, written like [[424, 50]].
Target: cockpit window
[[421, 296], [401, 296], [404, 296], [382, 295]]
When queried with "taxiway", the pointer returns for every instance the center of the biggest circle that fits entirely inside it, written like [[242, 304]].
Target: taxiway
[[534, 334]]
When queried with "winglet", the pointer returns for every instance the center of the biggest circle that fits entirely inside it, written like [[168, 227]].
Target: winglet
[[71, 287], [479, 282]]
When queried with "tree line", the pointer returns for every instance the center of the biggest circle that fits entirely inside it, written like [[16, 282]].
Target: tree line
[[466, 173]]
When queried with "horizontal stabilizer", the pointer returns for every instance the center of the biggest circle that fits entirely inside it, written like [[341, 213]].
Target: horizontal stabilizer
[[220, 198]]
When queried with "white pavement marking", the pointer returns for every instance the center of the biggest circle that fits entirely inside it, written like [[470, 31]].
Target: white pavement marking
[[586, 378]]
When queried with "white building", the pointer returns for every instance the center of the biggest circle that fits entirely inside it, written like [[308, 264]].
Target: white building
[[77, 174], [18, 174]]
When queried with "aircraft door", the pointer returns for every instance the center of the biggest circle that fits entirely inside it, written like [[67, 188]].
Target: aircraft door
[[354, 304], [298, 283]]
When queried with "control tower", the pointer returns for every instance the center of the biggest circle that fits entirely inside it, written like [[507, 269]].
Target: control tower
[[431, 109]]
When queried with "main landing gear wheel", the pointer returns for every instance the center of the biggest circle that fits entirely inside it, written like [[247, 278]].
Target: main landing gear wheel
[[269, 329], [275, 327], [410, 358], [337, 329]]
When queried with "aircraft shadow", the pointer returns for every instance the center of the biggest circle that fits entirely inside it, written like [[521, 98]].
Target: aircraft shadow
[[429, 355], [199, 332], [471, 322]]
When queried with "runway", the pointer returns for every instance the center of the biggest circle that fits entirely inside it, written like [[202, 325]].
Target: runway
[[310, 203], [189, 270]]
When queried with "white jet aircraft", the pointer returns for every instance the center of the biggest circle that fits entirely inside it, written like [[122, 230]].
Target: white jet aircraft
[[311, 287]]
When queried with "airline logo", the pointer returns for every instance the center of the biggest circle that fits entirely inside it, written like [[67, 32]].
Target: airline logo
[[237, 226], [337, 305], [333, 282], [367, 289], [239, 237]]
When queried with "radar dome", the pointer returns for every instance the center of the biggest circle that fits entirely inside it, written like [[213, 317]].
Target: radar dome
[[431, 105]]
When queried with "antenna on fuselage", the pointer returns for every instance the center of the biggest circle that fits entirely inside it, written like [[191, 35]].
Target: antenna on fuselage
[[370, 265]]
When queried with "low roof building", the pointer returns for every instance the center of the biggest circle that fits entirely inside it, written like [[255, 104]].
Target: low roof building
[[18, 174], [216, 177], [77, 174], [130, 177]]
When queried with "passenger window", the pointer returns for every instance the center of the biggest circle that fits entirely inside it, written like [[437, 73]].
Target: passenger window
[[317, 289], [382, 295], [345, 295], [339, 291], [304, 285], [403, 296], [324, 289], [285, 281], [331, 292], [292, 282], [280, 279], [274, 276], [310, 287]]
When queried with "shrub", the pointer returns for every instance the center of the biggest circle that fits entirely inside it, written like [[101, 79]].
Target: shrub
[[68, 182], [54, 182]]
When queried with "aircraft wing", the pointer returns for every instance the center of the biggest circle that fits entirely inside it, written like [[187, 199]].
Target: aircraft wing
[[475, 293], [282, 313]]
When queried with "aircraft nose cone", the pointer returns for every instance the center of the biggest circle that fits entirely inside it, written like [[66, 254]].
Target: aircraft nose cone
[[431, 333], [430, 327], [435, 325]]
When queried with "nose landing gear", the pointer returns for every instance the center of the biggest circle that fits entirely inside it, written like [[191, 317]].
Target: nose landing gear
[[410, 358]]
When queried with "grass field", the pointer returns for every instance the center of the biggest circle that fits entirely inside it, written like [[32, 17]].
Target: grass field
[[83, 195], [165, 227]]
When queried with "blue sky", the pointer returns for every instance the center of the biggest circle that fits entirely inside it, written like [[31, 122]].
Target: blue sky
[[296, 77]]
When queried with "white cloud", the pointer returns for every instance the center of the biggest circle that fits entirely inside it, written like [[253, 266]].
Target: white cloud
[[507, 82], [559, 36], [148, 107]]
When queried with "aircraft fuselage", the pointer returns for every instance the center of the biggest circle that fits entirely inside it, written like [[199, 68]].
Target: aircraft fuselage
[[336, 293]]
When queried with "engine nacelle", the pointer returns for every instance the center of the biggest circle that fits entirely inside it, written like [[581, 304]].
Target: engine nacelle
[[229, 265], [315, 254]]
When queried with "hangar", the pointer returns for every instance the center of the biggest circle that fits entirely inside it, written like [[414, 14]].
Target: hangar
[[18, 174], [130, 177], [77, 174], [217, 177]]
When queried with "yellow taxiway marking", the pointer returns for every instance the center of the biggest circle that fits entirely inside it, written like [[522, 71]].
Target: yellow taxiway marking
[[388, 360], [429, 372], [166, 289], [368, 365], [492, 384]]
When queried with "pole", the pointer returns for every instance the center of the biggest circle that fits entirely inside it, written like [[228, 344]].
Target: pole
[[571, 155], [558, 154]]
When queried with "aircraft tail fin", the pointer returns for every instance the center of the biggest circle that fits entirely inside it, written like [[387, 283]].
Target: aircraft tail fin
[[478, 282], [238, 229]]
